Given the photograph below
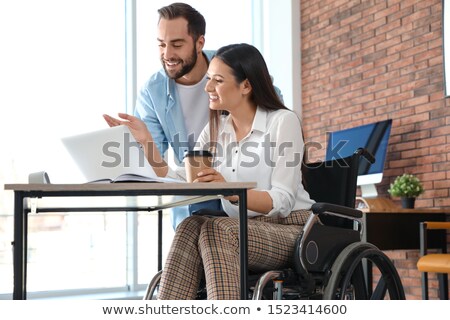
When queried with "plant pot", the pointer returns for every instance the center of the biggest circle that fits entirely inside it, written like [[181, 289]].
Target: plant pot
[[408, 203]]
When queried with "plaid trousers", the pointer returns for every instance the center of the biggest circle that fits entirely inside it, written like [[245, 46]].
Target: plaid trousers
[[210, 245]]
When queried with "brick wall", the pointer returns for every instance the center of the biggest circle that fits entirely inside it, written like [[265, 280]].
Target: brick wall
[[370, 60]]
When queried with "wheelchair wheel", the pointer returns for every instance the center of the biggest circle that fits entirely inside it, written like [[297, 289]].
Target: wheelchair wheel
[[152, 288], [347, 280]]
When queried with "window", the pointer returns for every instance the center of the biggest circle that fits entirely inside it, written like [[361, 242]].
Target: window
[[64, 64], [62, 67]]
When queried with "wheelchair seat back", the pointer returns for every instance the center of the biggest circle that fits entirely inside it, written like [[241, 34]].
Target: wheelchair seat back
[[334, 181]]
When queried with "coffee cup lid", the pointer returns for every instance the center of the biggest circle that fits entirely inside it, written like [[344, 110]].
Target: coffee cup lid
[[198, 153]]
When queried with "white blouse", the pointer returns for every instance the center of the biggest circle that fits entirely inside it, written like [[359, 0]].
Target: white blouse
[[270, 155]]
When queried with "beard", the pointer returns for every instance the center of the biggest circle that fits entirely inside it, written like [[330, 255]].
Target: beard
[[186, 65]]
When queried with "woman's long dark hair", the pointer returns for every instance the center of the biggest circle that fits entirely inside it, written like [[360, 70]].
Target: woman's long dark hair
[[246, 62]]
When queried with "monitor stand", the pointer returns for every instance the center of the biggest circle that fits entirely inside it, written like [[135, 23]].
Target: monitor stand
[[376, 205], [369, 191], [369, 200]]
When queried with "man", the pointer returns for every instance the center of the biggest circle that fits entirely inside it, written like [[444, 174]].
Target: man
[[173, 102]]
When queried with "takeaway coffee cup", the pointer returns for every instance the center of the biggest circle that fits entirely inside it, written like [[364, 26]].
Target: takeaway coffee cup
[[195, 161]]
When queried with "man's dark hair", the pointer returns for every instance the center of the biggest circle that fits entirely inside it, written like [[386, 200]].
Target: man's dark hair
[[196, 22]]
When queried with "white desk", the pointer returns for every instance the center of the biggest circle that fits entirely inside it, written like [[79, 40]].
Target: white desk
[[26, 191]]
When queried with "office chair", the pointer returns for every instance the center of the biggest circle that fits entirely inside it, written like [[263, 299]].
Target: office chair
[[329, 257], [434, 262]]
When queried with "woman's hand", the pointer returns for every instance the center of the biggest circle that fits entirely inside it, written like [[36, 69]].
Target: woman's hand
[[137, 127], [211, 175]]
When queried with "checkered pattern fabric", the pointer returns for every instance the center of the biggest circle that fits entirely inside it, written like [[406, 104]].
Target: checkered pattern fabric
[[211, 246]]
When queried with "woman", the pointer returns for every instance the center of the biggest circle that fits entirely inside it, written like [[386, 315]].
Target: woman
[[254, 137]]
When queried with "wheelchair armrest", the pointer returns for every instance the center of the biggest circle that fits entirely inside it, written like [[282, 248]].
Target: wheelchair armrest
[[322, 207]]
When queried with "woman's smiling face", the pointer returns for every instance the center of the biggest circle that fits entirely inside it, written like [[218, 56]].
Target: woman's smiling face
[[223, 90]]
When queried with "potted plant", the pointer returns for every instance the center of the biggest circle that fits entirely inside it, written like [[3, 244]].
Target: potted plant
[[408, 187]]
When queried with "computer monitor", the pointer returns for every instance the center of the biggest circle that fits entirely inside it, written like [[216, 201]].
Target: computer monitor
[[374, 137]]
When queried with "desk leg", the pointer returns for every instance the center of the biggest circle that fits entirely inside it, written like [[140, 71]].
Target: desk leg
[[243, 249], [20, 247], [160, 218]]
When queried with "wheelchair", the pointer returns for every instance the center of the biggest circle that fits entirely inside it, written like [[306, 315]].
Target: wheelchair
[[331, 262]]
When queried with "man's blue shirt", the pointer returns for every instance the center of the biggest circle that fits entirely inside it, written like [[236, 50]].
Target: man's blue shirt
[[158, 105]]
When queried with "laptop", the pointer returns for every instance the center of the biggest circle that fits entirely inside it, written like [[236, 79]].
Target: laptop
[[110, 154]]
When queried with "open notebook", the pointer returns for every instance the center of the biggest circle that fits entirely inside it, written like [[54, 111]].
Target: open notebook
[[111, 155]]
